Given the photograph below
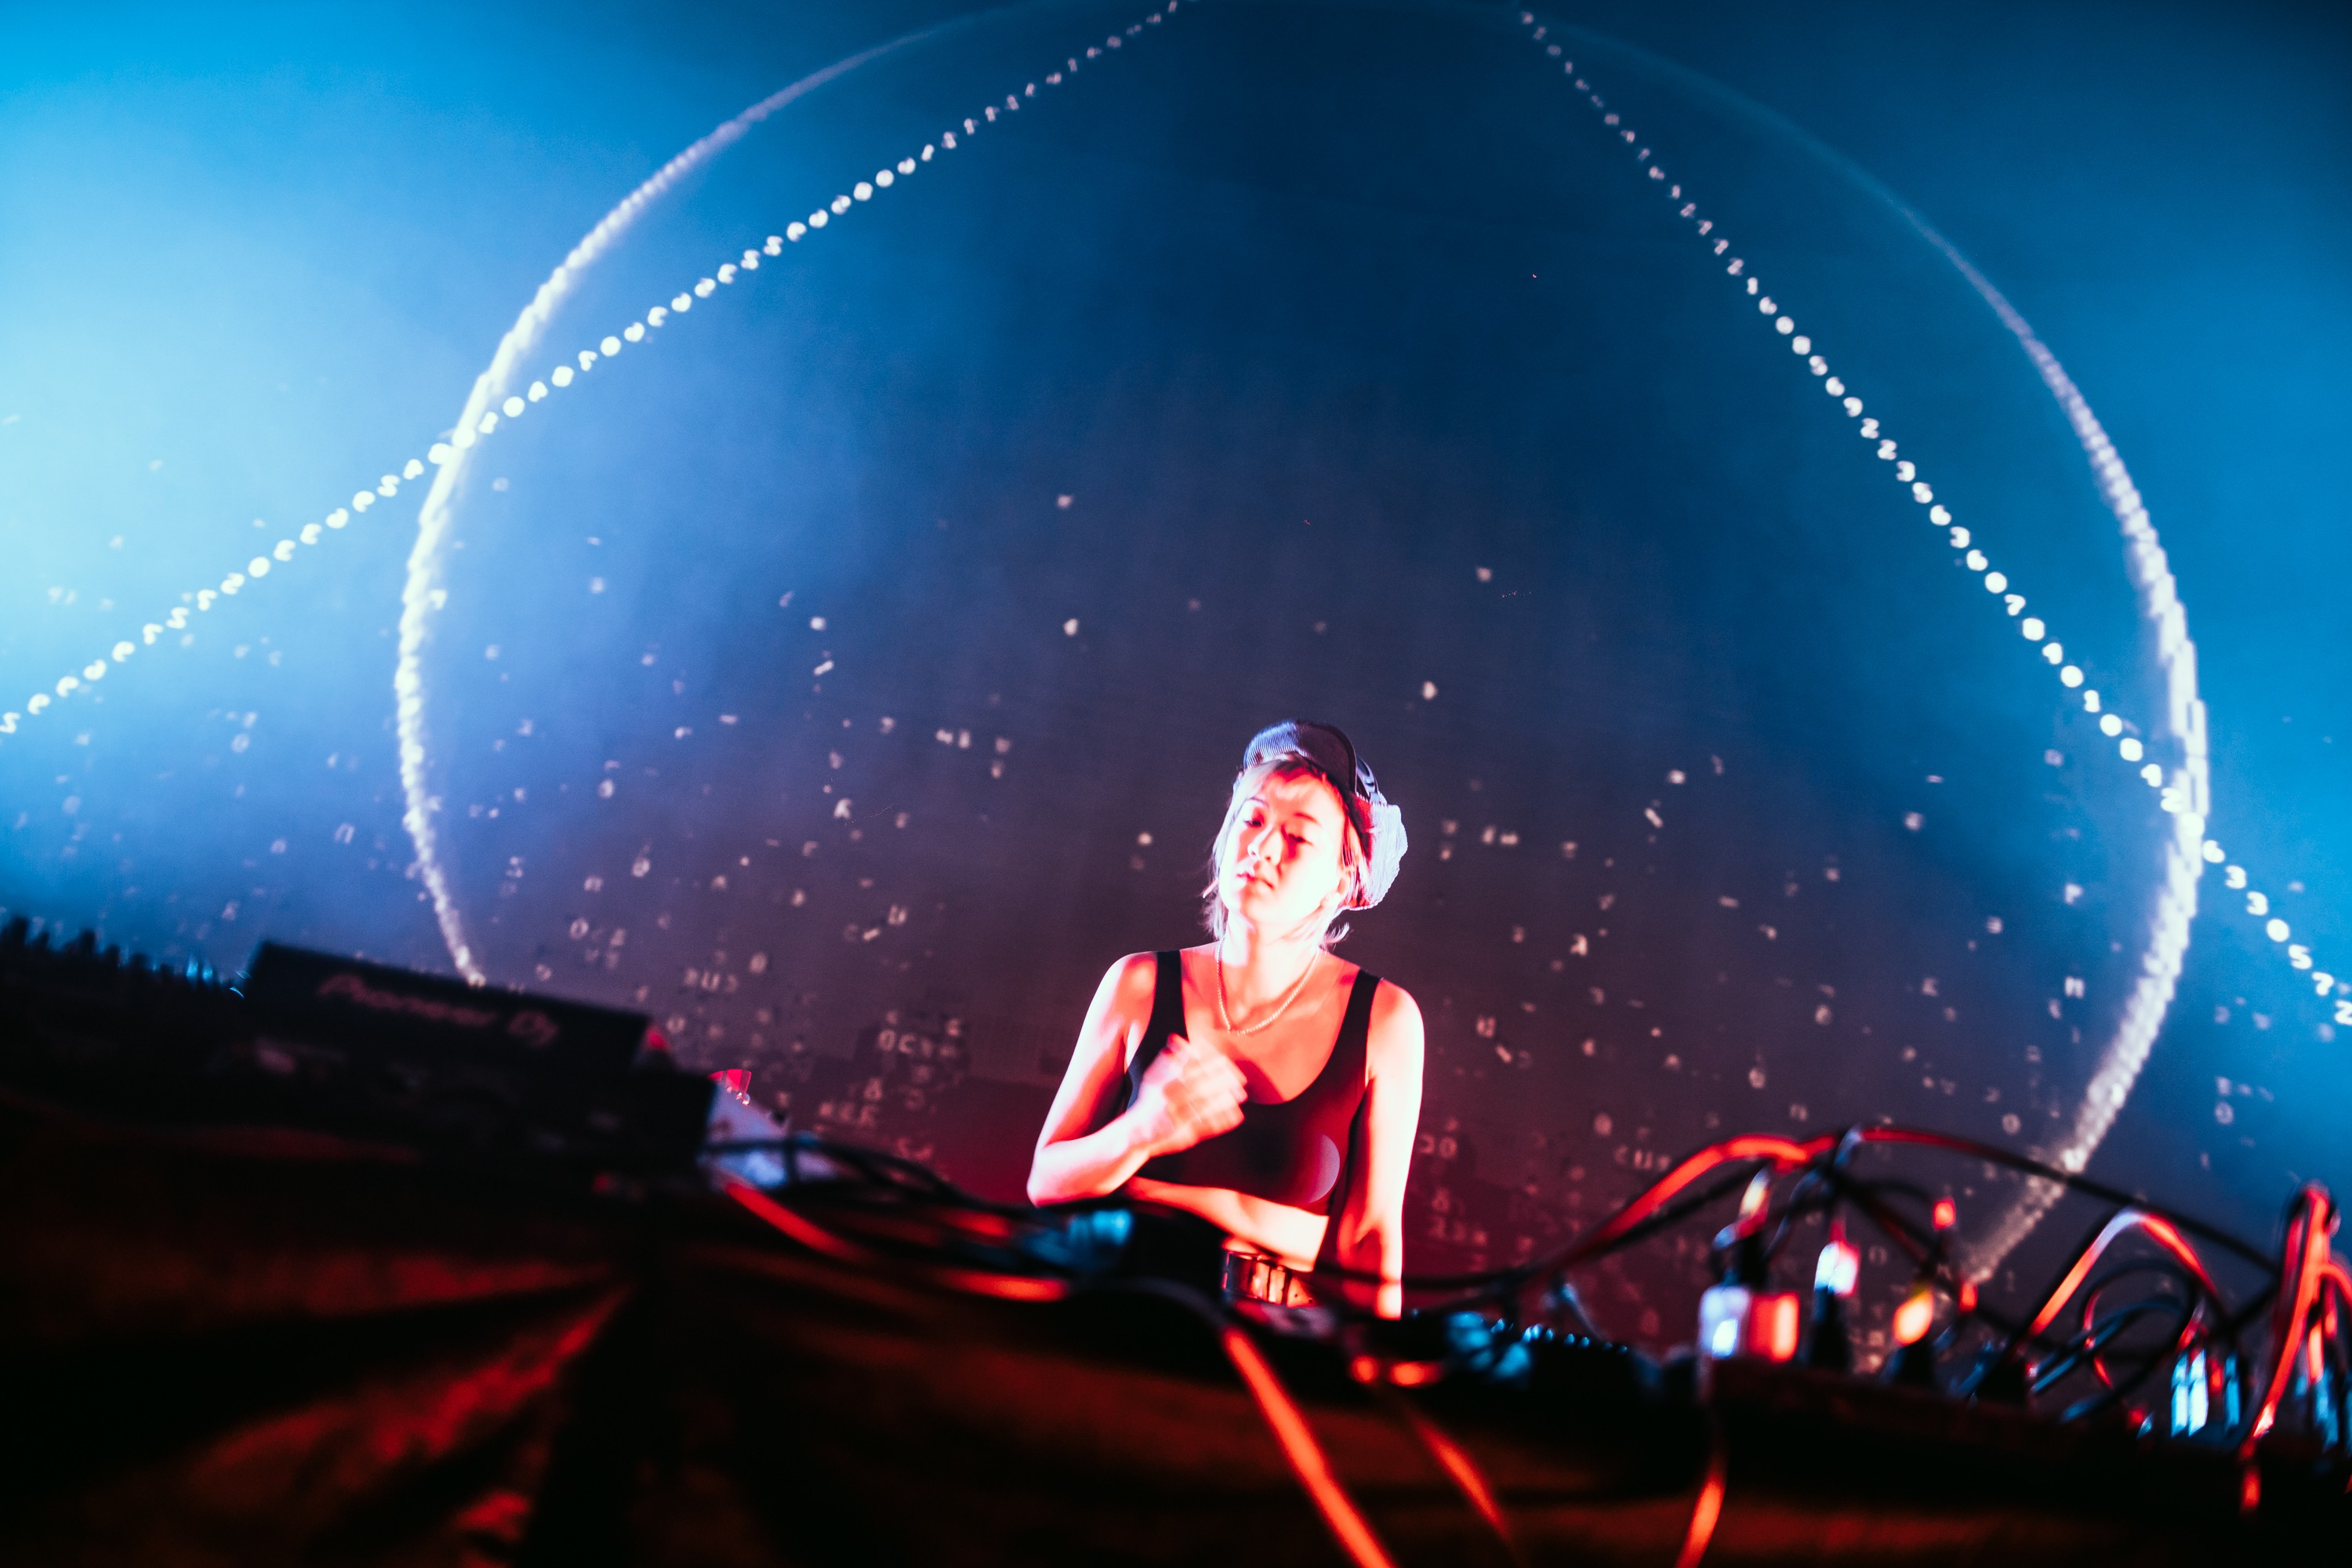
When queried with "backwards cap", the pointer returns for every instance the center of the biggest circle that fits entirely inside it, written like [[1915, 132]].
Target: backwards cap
[[1377, 826]]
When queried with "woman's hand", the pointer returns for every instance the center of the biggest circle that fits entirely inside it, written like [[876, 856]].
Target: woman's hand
[[1190, 1093], [1095, 1137]]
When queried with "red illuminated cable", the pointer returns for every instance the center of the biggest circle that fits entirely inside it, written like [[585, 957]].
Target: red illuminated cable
[[1305, 1455], [2156, 1227], [2167, 1236], [800, 1228], [2337, 1276], [2190, 1323], [1785, 1154], [842, 1249], [1383, 1381], [1782, 1152], [1706, 1510], [1458, 1465], [2302, 1270]]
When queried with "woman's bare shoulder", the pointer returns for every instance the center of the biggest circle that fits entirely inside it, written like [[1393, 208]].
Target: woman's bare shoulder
[[1395, 1031], [1131, 981]]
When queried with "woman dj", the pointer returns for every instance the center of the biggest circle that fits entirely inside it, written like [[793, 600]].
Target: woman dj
[[1258, 1081]]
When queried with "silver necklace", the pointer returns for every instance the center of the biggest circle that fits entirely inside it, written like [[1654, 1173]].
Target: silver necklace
[[1226, 1018]]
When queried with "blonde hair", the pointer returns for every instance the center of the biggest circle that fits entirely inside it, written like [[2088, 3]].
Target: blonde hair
[[1352, 859]]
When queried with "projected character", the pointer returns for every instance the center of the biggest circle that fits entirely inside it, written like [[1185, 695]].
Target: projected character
[[1258, 1081]]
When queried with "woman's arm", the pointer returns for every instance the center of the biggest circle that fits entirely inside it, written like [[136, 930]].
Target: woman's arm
[[1188, 1093], [1371, 1221]]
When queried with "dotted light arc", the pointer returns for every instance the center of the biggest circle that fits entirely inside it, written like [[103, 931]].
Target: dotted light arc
[[2173, 906], [423, 595]]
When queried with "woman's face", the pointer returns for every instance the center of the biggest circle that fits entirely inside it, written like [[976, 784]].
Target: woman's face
[[1282, 870]]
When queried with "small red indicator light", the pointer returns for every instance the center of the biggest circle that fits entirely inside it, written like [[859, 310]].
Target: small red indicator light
[[1915, 1317], [1780, 1328]]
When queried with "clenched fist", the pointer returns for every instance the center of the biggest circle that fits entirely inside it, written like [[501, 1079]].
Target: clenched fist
[[1189, 1093]]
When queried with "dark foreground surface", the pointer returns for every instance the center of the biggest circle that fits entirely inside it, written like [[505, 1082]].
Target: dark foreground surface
[[254, 1347]]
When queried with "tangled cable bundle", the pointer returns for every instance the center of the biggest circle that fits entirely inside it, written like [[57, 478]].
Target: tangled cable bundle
[[2233, 1381]]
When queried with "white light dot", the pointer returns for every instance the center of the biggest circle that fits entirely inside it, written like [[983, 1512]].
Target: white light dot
[[862, 191], [882, 179], [635, 332], [1070, 628], [1801, 345], [906, 165], [2033, 629], [2072, 676], [816, 623], [1995, 582], [1429, 692], [1787, 324], [439, 454], [538, 392], [2277, 929], [792, 231], [2111, 724], [1976, 560], [2130, 748], [2152, 776], [560, 375], [610, 346], [513, 406], [840, 205], [704, 288]]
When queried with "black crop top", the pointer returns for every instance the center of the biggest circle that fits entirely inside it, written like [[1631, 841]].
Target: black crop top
[[1298, 1151]]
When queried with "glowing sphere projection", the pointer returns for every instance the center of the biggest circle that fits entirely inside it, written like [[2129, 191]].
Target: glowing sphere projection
[[847, 665], [837, 618]]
